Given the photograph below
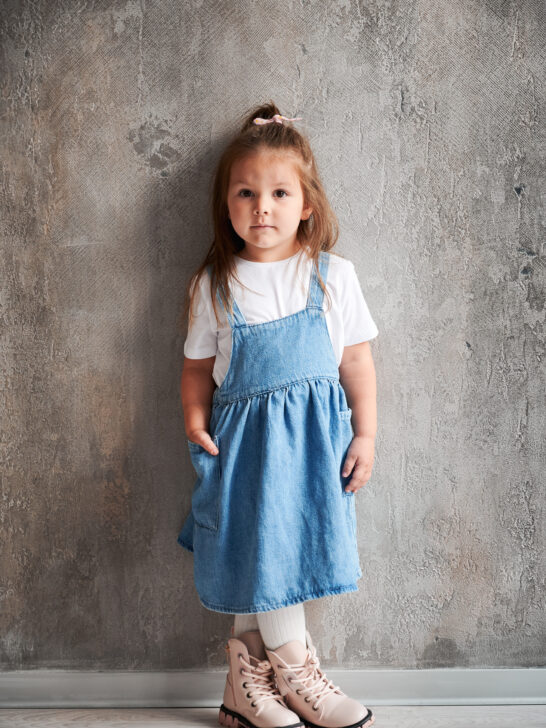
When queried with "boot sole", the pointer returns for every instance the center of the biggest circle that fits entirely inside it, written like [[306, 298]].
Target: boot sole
[[366, 721], [232, 719]]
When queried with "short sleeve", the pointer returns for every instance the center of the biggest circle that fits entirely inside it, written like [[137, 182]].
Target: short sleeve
[[202, 338], [358, 323]]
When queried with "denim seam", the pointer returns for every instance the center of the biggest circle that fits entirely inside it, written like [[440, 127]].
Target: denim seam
[[277, 320], [267, 606], [223, 401]]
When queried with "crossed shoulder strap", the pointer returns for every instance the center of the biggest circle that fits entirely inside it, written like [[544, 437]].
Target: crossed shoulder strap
[[316, 294], [314, 298]]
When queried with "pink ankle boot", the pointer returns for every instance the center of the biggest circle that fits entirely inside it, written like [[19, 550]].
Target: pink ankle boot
[[251, 698], [309, 693]]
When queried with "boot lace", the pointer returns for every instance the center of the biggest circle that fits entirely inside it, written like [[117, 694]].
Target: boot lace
[[260, 681], [316, 685]]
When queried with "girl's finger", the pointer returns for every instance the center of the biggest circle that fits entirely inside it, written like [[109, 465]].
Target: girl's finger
[[348, 466], [208, 443]]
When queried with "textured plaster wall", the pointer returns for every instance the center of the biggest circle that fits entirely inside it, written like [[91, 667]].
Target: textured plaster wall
[[427, 118]]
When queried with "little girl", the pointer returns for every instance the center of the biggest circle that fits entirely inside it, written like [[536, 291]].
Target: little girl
[[273, 521]]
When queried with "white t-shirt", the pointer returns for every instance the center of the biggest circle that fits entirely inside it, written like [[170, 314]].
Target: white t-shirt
[[278, 289]]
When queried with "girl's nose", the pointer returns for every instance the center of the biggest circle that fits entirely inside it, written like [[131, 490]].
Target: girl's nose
[[261, 207]]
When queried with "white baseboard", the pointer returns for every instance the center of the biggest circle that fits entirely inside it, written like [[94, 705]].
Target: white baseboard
[[204, 688]]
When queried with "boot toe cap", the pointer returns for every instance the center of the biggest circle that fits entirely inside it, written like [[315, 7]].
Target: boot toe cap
[[347, 713], [280, 717]]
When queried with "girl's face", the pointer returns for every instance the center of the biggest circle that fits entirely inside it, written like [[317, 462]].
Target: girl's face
[[265, 204]]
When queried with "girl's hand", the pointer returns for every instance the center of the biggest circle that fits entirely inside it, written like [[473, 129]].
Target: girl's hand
[[361, 453], [202, 437]]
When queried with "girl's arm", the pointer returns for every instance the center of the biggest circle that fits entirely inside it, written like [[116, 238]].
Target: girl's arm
[[357, 377], [196, 390]]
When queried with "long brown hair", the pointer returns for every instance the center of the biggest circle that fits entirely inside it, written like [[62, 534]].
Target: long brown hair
[[319, 232]]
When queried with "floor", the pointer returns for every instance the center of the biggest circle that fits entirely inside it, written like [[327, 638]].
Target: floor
[[442, 716]]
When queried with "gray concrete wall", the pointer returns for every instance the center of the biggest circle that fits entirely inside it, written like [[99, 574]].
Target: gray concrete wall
[[427, 119]]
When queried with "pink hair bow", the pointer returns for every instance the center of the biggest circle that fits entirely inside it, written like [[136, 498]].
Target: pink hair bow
[[278, 118]]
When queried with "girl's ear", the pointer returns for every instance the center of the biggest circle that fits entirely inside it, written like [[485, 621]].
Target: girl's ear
[[306, 212]]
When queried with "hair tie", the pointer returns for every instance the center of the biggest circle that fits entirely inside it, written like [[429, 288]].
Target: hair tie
[[278, 118]]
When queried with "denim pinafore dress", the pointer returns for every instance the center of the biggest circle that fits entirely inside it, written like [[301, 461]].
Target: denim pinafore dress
[[270, 522]]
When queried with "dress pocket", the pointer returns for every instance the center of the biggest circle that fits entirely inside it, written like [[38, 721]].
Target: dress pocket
[[347, 431], [205, 500], [351, 513]]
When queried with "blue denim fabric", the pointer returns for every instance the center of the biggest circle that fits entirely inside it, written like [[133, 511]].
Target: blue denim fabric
[[270, 523]]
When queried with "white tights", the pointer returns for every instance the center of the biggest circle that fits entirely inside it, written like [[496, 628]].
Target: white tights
[[276, 627]]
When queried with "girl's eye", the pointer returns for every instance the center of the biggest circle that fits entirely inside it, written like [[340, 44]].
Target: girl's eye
[[243, 193]]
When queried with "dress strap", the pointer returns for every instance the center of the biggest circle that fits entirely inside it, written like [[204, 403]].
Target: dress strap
[[316, 294]]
